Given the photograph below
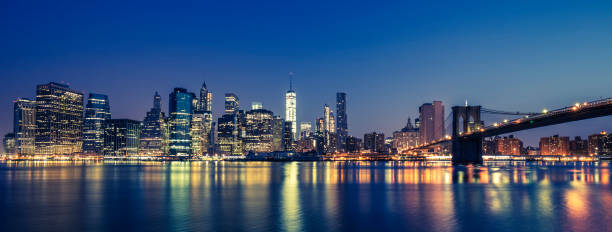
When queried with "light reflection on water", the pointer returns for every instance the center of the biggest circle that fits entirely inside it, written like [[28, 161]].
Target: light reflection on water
[[295, 196]]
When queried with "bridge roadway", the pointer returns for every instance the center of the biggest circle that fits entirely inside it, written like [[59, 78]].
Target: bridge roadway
[[576, 112]]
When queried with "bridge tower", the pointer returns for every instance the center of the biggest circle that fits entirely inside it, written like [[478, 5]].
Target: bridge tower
[[467, 146]]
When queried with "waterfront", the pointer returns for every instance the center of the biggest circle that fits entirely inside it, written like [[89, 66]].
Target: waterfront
[[313, 196]]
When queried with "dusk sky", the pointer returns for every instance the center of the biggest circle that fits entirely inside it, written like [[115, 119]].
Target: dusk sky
[[389, 57]]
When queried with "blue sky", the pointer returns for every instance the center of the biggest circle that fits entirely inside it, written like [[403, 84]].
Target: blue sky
[[390, 57]]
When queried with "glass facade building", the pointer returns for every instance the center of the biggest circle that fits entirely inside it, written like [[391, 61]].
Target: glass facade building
[[24, 126], [59, 120], [97, 112], [122, 137], [259, 133], [152, 135], [341, 121], [180, 110]]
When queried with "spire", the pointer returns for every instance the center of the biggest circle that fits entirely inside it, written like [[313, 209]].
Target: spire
[[204, 85], [290, 81]]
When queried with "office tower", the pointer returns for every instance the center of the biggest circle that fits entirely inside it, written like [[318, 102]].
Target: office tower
[[405, 138], [97, 112], [59, 120], [231, 103], [256, 106], [374, 142], [122, 137], [205, 101], [288, 142], [305, 129], [259, 132], [277, 134], [341, 121], [600, 144], [8, 143], [554, 145], [432, 122], [180, 110], [320, 123], [508, 145], [152, 141], [201, 132], [326, 118], [353, 144], [24, 126], [230, 129], [329, 130], [291, 107]]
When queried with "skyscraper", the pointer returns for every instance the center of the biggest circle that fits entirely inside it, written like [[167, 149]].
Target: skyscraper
[[205, 102], [8, 144], [291, 107], [181, 110], [24, 126], [230, 129], [97, 112], [341, 121], [152, 141], [232, 103], [201, 128], [277, 133], [259, 131], [305, 129], [375, 142], [122, 137], [431, 122], [59, 119]]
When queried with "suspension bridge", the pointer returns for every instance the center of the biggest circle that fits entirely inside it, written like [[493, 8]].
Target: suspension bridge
[[468, 130]]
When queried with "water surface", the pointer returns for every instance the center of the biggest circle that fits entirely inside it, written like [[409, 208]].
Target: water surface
[[304, 196]]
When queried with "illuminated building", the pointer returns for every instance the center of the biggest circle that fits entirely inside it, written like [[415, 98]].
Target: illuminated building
[[97, 112], [59, 120], [256, 106], [305, 129], [259, 131], [405, 138], [201, 132], [291, 108], [554, 145], [122, 137], [341, 122], [154, 129], [8, 143], [329, 130], [374, 142], [288, 142], [431, 122], [231, 103], [353, 144], [579, 146], [306, 144], [180, 110], [508, 145], [205, 101], [320, 125], [600, 144], [489, 146], [230, 131], [24, 126], [277, 134]]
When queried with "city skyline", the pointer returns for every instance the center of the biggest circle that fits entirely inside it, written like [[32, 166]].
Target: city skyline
[[527, 64]]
